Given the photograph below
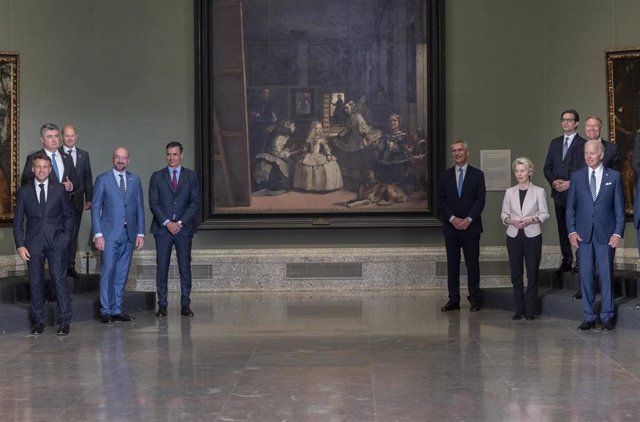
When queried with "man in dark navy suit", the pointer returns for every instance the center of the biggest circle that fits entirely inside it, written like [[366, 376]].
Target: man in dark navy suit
[[82, 192], [595, 220], [63, 170], [565, 155], [611, 159], [49, 224], [174, 200], [460, 197]]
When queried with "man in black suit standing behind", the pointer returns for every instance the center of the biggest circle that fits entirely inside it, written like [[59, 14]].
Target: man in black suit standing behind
[[174, 200], [62, 164], [461, 197], [81, 195], [47, 209], [566, 154]]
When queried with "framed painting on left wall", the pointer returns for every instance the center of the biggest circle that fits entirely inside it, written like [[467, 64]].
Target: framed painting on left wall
[[9, 112]]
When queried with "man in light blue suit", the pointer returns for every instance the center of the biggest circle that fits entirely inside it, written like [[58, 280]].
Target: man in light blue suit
[[117, 219], [595, 222]]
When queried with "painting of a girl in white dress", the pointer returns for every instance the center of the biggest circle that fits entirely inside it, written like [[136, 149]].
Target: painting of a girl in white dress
[[318, 171]]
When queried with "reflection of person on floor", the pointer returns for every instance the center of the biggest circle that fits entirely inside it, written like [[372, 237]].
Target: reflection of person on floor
[[353, 146], [392, 161], [418, 161], [318, 170], [272, 169]]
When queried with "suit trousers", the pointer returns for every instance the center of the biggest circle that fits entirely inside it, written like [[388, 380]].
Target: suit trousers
[[524, 251], [603, 255], [563, 236], [114, 272], [73, 243], [470, 245], [58, 273], [164, 245]]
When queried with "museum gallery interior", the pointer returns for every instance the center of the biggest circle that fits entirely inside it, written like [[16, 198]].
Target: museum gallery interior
[[318, 132]]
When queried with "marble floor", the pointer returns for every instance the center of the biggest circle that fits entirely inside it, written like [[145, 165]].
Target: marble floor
[[312, 356]]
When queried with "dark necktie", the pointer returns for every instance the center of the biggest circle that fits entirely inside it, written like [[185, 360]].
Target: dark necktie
[[123, 192], [73, 157], [592, 182], [174, 180], [565, 147], [42, 197]]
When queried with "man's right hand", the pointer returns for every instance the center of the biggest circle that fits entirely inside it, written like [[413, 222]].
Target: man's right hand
[[99, 242], [24, 253]]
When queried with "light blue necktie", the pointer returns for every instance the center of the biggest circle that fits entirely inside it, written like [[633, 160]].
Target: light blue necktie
[[460, 180], [592, 182], [55, 166]]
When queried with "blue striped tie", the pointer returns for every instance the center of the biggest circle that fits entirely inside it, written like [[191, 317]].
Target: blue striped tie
[[55, 166]]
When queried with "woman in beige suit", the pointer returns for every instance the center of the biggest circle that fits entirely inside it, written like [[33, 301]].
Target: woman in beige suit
[[524, 209]]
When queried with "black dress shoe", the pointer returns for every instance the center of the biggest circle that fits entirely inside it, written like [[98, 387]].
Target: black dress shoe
[[607, 325], [474, 308], [37, 329], [530, 318], [106, 319], [578, 295], [564, 267], [63, 330], [637, 306], [517, 316], [450, 306], [186, 311], [587, 325], [123, 317], [71, 272], [162, 311]]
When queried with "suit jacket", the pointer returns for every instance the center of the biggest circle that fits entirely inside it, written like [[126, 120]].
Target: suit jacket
[[181, 205], [83, 191], [470, 204], [635, 163], [50, 227], [109, 211], [557, 168], [611, 158], [69, 170], [534, 205], [596, 221]]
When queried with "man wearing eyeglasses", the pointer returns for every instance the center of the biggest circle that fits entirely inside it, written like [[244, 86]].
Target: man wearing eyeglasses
[[565, 155]]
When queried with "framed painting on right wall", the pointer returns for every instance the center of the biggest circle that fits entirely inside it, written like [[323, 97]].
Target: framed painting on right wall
[[623, 94]]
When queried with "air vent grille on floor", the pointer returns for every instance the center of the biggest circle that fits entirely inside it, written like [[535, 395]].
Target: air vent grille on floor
[[324, 270]]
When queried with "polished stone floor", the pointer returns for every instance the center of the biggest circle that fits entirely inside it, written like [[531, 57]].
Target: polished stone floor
[[374, 356]]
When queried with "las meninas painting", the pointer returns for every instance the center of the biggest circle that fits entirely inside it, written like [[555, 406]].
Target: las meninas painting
[[335, 108]]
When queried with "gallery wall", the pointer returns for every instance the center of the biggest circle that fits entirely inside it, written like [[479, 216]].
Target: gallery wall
[[122, 71]]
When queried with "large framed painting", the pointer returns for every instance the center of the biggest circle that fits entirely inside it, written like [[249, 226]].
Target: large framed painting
[[315, 113], [623, 89], [9, 109]]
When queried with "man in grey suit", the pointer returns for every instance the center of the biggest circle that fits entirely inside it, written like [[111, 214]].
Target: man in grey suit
[[174, 200], [595, 221], [47, 210], [117, 220], [81, 195]]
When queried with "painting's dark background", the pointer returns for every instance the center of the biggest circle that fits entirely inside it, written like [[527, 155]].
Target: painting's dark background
[[361, 48]]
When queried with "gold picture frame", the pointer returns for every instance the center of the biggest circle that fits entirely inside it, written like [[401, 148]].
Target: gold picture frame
[[623, 95], [9, 148]]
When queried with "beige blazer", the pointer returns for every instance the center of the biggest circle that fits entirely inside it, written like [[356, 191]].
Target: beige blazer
[[534, 206]]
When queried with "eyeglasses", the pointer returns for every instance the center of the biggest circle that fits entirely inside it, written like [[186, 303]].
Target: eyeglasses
[[567, 120]]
